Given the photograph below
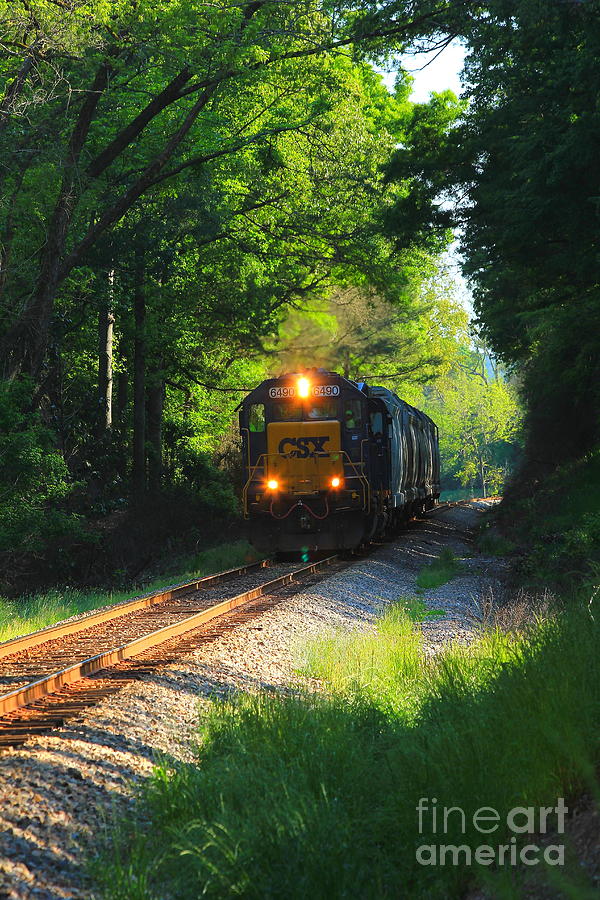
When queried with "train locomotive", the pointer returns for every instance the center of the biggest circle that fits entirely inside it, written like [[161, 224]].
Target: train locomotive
[[331, 464]]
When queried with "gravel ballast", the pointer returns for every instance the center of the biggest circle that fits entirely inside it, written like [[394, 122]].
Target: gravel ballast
[[58, 789]]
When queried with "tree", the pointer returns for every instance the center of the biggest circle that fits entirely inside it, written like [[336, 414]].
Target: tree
[[224, 248], [176, 177], [34, 480], [166, 87], [479, 421], [520, 162], [407, 334]]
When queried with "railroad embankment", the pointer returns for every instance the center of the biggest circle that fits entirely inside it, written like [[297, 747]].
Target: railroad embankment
[[553, 530], [409, 680]]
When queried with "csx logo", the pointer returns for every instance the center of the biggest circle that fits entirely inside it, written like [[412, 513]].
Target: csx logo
[[301, 447]]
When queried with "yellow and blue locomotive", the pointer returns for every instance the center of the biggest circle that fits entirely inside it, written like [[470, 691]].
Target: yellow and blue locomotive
[[332, 463]]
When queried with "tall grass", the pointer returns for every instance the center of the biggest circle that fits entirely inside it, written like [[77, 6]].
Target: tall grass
[[35, 611], [441, 570], [384, 665], [491, 543], [315, 795]]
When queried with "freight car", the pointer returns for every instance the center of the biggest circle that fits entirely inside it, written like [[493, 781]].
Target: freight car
[[331, 463]]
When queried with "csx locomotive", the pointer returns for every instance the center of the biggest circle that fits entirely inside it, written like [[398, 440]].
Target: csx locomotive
[[332, 463]]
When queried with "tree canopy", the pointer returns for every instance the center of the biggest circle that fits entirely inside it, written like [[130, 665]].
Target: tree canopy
[[176, 177], [190, 190], [519, 159]]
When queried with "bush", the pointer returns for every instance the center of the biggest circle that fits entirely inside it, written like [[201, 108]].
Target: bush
[[491, 543], [203, 481], [34, 478], [558, 527]]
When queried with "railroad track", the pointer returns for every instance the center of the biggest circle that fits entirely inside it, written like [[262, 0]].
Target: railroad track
[[54, 674]]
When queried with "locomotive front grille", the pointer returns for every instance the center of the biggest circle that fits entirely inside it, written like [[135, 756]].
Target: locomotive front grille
[[303, 457]]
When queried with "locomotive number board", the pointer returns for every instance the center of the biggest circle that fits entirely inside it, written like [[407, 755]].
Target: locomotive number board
[[278, 393], [317, 390], [325, 390]]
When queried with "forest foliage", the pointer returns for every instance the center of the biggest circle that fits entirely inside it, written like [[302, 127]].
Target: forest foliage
[[190, 194], [173, 175], [520, 164], [176, 176], [431, 359]]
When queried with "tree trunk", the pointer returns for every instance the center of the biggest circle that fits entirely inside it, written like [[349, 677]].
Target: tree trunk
[[346, 364], [6, 242], [482, 476], [106, 321], [156, 394], [139, 384], [120, 418]]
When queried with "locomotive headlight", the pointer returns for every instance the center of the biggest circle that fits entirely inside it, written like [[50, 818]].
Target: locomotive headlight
[[272, 484], [303, 387], [335, 482]]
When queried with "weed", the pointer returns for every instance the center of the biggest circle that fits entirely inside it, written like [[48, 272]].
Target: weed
[[491, 543], [516, 612], [441, 570]]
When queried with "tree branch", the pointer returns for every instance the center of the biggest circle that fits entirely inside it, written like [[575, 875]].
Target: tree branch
[[118, 209], [14, 89], [233, 148], [326, 47], [127, 135]]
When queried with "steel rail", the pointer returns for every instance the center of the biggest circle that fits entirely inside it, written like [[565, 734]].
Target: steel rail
[[26, 641], [56, 680]]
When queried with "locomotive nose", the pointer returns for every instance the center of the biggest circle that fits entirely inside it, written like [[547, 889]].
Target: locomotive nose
[[305, 457]]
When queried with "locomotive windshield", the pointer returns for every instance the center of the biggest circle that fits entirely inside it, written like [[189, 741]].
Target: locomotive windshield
[[296, 411], [352, 414], [322, 408], [256, 417], [288, 411]]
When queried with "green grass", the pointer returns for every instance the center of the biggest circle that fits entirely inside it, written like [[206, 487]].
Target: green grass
[[32, 612], [443, 569], [315, 795], [384, 664], [491, 543]]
